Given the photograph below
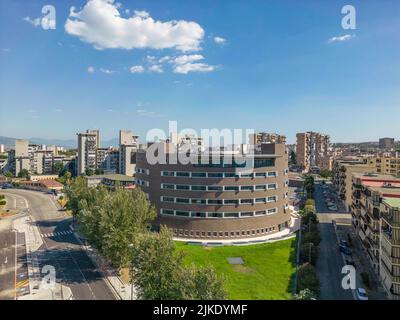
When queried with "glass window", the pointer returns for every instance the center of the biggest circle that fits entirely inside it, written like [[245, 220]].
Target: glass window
[[168, 173], [182, 200], [230, 175], [182, 187], [182, 213], [231, 188], [246, 175], [198, 174], [214, 201], [246, 201], [199, 214], [272, 186], [231, 201], [260, 174], [215, 215], [231, 215], [258, 163], [182, 174], [260, 213], [167, 212], [261, 187], [199, 201], [168, 199], [199, 188], [246, 214], [168, 186], [215, 188], [260, 200], [270, 211], [215, 175], [272, 199], [272, 174], [246, 188]]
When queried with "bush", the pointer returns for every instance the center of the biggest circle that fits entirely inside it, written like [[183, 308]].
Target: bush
[[310, 202], [3, 202], [312, 236], [305, 294], [2, 196], [305, 253], [309, 217], [307, 278]]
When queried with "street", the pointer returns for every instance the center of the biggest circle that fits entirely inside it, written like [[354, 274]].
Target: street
[[60, 248], [330, 261]]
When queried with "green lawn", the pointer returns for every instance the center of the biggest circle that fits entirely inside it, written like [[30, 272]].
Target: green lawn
[[267, 273]]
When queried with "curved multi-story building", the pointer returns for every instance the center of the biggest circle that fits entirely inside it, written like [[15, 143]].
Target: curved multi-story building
[[219, 201]]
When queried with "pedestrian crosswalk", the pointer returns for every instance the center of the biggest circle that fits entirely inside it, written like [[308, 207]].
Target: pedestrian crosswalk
[[56, 234]]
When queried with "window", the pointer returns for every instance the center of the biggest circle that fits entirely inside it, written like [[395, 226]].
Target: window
[[215, 188], [183, 174], [213, 201], [182, 200], [258, 163], [168, 199], [272, 186], [231, 201], [230, 175], [261, 187], [260, 174], [199, 188], [215, 175], [246, 175], [182, 213], [198, 214], [260, 213], [215, 214], [231, 215], [272, 211], [199, 174], [168, 173], [246, 214], [272, 199], [246, 201], [246, 188], [260, 200], [272, 174], [167, 212], [182, 187], [231, 188], [199, 201], [168, 186]]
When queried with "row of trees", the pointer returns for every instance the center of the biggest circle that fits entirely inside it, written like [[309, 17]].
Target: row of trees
[[117, 224]]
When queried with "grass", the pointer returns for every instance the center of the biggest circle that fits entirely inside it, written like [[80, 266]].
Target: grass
[[267, 273]]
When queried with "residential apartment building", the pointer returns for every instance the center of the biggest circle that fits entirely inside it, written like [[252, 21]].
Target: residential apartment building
[[128, 146], [259, 138], [386, 143], [389, 263], [375, 221], [386, 165], [202, 199], [107, 159], [342, 175], [312, 151], [88, 143], [19, 158]]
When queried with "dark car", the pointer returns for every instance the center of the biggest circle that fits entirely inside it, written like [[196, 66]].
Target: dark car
[[344, 249]]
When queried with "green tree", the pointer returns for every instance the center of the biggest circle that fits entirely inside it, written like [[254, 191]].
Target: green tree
[[76, 192], [99, 171], [58, 168], [8, 174], [325, 173], [158, 272], [308, 185], [89, 172], [24, 174], [307, 278], [293, 157]]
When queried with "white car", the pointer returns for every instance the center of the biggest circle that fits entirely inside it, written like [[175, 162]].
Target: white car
[[361, 294]]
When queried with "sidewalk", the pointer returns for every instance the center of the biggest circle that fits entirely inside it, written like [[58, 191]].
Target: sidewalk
[[121, 290]]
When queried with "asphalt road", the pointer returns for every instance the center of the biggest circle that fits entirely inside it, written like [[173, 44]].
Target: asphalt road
[[330, 261], [7, 265], [61, 249]]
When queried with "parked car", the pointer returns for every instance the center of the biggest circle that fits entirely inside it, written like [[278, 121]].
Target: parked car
[[344, 249], [361, 294], [344, 243]]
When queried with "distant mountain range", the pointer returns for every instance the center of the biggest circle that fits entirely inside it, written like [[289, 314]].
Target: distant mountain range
[[10, 142]]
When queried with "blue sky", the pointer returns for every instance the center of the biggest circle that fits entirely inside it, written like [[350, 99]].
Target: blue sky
[[265, 65]]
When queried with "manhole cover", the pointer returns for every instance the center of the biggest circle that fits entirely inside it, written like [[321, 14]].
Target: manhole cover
[[237, 260]]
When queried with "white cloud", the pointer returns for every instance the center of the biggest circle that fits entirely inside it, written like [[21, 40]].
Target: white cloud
[[185, 64], [91, 69], [107, 71], [164, 59], [136, 69], [100, 24], [346, 37], [193, 67], [219, 40], [35, 22], [157, 68]]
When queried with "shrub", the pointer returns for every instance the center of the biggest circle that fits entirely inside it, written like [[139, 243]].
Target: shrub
[[305, 253], [305, 294], [2, 196], [310, 202], [3, 202], [312, 236], [310, 216], [307, 278]]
